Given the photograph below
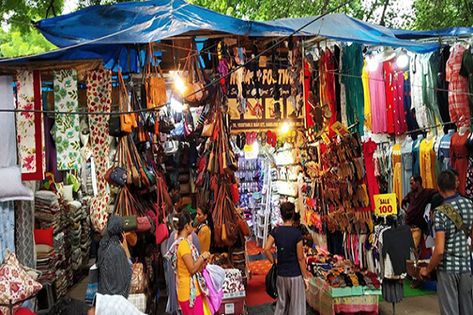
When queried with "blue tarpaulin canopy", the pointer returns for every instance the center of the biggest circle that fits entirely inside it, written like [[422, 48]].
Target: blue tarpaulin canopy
[[344, 28], [145, 22], [444, 32], [109, 32]]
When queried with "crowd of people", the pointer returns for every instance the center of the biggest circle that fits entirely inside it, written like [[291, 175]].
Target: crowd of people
[[445, 214]]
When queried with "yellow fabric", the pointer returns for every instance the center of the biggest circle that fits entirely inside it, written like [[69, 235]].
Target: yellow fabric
[[427, 158], [416, 236], [366, 96], [397, 172], [207, 310], [183, 275], [204, 238]]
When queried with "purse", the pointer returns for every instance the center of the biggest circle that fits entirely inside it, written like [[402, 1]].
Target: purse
[[155, 84], [128, 122], [143, 224], [116, 176], [196, 92], [270, 282], [130, 223], [138, 279]]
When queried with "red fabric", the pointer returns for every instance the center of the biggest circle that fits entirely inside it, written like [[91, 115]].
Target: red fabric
[[327, 85], [457, 89], [389, 88], [369, 148], [256, 291], [400, 123], [44, 236], [309, 121], [24, 311], [38, 175], [198, 308], [459, 158]]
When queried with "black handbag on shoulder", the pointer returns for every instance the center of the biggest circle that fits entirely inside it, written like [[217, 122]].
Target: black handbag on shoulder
[[270, 282]]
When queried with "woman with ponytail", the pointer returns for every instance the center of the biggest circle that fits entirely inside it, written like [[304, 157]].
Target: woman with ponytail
[[187, 265]]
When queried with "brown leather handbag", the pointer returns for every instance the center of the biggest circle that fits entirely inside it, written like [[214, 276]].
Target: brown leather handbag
[[154, 82], [128, 121]]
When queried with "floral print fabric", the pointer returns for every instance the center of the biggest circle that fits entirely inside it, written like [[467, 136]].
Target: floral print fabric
[[29, 125], [67, 126], [99, 99]]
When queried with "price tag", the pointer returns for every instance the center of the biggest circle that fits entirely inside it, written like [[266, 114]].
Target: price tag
[[230, 308], [385, 204], [340, 129]]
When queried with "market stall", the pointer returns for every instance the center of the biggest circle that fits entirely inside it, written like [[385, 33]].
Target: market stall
[[153, 115]]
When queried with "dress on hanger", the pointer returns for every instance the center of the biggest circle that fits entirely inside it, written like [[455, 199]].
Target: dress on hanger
[[378, 100], [416, 156], [400, 124], [443, 155], [459, 158], [457, 88], [427, 163], [410, 117], [389, 89], [442, 85], [406, 152], [397, 171], [352, 68], [327, 84], [369, 148], [366, 96], [467, 72]]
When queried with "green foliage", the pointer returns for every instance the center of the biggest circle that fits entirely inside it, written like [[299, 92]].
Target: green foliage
[[432, 14], [16, 42]]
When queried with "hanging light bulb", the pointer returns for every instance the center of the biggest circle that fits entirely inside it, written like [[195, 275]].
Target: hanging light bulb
[[402, 61], [285, 128], [372, 63], [179, 84]]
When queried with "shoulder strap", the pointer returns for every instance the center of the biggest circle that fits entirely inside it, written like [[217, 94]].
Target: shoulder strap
[[455, 217]]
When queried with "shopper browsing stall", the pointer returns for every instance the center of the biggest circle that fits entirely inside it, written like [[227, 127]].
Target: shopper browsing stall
[[187, 265], [290, 262], [113, 264], [452, 255], [203, 229]]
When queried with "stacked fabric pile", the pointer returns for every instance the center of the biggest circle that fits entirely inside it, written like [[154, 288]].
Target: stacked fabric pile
[[85, 240], [46, 263], [62, 266], [47, 210], [75, 215]]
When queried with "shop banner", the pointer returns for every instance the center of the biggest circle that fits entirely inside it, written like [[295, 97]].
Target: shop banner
[[385, 204], [257, 109]]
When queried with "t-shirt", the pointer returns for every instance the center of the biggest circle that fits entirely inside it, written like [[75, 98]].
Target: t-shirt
[[286, 239], [397, 242], [204, 238], [456, 257], [183, 275]]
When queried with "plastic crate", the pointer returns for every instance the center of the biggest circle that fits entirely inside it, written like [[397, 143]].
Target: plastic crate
[[232, 306]]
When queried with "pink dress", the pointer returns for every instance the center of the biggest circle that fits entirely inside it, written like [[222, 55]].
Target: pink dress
[[457, 88], [378, 100]]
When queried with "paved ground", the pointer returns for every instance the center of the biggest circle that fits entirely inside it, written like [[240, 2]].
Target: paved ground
[[422, 305]]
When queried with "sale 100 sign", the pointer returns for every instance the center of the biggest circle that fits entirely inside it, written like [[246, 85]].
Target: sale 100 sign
[[385, 204]]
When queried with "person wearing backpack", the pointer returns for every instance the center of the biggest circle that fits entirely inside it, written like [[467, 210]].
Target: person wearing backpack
[[453, 222]]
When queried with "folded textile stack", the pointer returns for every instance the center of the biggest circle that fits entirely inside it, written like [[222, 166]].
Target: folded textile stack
[[48, 210], [233, 282], [46, 263], [86, 240], [75, 214]]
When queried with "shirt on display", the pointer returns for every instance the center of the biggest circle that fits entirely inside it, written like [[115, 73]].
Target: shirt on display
[[397, 242]]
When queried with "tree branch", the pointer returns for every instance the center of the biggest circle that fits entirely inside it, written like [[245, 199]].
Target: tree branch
[[386, 3]]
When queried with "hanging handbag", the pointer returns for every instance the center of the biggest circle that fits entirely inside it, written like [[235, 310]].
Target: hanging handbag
[[196, 91], [138, 279], [271, 282], [128, 121], [130, 223], [143, 224], [155, 84]]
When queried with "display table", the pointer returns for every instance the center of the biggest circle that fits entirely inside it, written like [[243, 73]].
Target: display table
[[327, 301]]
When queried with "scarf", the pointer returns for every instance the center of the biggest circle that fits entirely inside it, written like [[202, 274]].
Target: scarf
[[171, 256]]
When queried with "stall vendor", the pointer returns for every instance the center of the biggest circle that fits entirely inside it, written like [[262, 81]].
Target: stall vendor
[[414, 203]]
